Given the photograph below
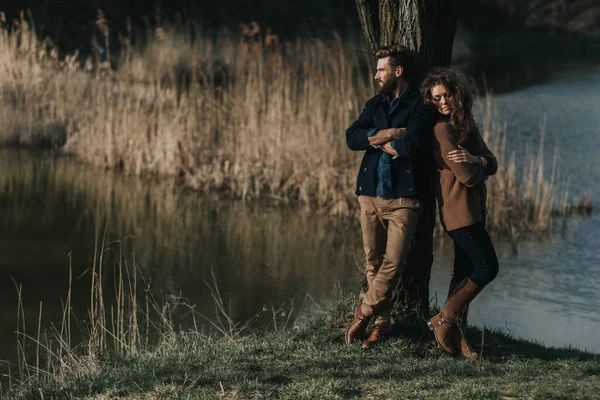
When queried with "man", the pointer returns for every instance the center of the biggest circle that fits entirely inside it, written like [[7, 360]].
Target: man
[[394, 130]]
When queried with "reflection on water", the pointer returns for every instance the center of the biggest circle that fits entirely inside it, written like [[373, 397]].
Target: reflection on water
[[261, 255], [266, 255]]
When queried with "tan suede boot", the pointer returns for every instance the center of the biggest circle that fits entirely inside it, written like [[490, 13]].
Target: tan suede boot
[[444, 333], [460, 343], [452, 287], [460, 338], [446, 324]]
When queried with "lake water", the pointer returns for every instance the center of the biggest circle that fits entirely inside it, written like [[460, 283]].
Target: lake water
[[55, 211], [570, 106]]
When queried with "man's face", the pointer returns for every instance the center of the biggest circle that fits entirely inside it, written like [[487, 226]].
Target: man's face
[[386, 78]]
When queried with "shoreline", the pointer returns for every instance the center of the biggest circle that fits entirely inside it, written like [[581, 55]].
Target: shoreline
[[310, 360]]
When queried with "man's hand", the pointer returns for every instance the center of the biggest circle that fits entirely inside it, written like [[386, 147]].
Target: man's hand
[[386, 135], [389, 149]]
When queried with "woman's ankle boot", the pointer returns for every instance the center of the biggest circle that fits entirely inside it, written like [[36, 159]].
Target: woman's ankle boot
[[446, 324]]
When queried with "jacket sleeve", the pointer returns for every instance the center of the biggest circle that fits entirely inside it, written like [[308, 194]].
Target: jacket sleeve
[[357, 135], [416, 143], [492, 164], [469, 174]]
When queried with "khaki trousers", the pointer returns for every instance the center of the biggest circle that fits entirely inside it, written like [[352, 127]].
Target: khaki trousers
[[388, 228]]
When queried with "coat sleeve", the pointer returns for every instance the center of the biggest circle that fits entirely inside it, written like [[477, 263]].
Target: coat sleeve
[[357, 135], [492, 164], [416, 143], [444, 141]]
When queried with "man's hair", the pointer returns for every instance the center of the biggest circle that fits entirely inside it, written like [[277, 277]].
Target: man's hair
[[399, 55]]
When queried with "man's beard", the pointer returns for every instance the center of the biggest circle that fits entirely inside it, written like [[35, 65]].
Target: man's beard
[[389, 86]]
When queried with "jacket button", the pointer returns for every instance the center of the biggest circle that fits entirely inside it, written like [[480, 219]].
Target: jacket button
[[408, 171], [360, 188], [365, 170], [410, 189]]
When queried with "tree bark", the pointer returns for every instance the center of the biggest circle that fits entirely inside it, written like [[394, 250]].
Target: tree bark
[[427, 27], [369, 22]]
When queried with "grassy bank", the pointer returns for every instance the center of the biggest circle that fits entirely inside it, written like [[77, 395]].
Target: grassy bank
[[131, 345], [245, 115], [310, 360]]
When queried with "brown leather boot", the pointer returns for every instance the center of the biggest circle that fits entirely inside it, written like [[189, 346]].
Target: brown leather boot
[[460, 343], [460, 339], [380, 332], [446, 324], [358, 328]]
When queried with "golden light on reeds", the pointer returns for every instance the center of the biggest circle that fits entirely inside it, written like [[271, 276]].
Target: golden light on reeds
[[244, 115]]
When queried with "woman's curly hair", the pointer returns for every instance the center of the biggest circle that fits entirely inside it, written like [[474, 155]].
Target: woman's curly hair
[[461, 116]]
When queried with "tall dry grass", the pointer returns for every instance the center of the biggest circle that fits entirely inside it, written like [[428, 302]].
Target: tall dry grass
[[175, 235], [246, 115], [123, 316], [118, 320], [522, 197], [271, 126]]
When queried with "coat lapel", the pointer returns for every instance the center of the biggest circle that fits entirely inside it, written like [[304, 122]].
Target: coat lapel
[[405, 102], [380, 115], [398, 116]]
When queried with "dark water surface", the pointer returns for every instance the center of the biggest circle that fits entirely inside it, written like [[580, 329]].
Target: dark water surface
[[569, 108], [55, 212], [56, 209]]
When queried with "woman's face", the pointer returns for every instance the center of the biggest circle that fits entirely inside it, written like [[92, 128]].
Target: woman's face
[[442, 99]]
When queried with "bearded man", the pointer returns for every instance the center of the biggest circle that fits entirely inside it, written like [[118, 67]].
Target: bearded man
[[394, 130]]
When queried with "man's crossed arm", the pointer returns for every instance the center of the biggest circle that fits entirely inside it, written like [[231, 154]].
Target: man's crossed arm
[[382, 138]]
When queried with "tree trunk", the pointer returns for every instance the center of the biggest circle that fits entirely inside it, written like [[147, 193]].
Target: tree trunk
[[427, 27]]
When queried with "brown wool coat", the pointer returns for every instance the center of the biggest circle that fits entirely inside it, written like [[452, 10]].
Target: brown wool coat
[[461, 193]]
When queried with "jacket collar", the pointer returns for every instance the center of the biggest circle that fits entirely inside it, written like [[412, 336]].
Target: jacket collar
[[405, 98]]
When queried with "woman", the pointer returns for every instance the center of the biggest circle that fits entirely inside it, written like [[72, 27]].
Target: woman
[[464, 164]]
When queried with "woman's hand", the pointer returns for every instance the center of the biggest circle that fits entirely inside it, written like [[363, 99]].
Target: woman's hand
[[462, 156]]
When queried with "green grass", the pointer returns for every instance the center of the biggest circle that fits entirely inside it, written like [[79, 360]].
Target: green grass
[[312, 361]]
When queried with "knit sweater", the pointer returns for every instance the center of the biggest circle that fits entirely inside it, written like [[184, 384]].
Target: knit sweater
[[461, 191]]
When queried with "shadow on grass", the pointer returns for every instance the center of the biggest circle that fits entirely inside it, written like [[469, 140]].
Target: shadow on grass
[[497, 346]]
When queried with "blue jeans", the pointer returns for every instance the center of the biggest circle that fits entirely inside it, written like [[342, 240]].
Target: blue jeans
[[474, 254]]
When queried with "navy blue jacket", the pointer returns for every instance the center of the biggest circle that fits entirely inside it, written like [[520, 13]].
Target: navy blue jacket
[[411, 171]]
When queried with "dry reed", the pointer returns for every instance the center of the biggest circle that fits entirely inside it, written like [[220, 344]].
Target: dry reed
[[137, 322], [244, 115]]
